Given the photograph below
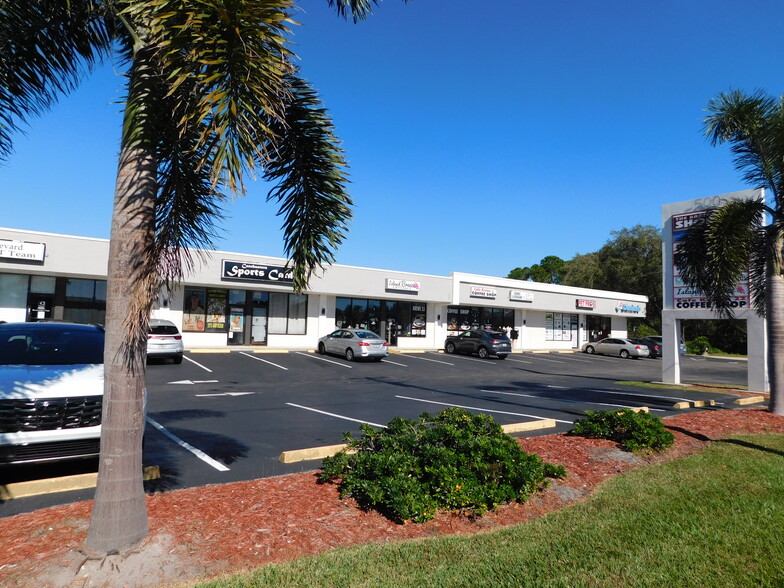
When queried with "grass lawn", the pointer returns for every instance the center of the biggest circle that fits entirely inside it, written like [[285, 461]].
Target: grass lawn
[[711, 520]]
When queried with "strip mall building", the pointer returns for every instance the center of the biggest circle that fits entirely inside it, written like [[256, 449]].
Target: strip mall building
[[240, 299]]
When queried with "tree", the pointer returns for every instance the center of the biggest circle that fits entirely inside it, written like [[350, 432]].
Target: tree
[[211, 96], [549, 270], [745, 236]]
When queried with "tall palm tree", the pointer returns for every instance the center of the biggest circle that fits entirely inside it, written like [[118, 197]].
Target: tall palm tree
[[745, 236], [211, 96]]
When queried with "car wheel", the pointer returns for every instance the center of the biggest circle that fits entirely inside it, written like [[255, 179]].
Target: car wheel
[[321, 349], [502, 356], [624, 354], [482, 352], [450, 347], [349, 354], [590, 349], [177, 359]]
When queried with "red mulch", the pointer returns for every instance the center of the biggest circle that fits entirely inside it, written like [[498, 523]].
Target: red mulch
[[214, 529]]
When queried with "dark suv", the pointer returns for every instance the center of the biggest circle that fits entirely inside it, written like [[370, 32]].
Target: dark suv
[[482, 343]]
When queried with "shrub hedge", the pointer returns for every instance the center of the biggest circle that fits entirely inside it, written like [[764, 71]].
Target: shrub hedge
[[453, 460], [634, 431]]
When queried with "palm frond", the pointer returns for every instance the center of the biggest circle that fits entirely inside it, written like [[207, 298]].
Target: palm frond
[[233, 56], [355, 9], [45, 49], [720, 248], [309, 170], [753, 125]]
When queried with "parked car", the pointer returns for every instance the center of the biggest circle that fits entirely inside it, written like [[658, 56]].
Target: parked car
[[353, 344], [164, 341], [480, 342], [51, 391], [614, 346], [658, 339], [653, 347]]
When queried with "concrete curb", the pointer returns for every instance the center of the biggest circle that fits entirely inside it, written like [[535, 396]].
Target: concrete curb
[[750, 400], [694, 404], [62, 484], [311, 453]]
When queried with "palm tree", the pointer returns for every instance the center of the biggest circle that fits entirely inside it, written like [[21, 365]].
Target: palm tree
[[211, 96], [745, 236]]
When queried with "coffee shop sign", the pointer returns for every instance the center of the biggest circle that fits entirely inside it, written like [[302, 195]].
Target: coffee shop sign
[[253, 272]]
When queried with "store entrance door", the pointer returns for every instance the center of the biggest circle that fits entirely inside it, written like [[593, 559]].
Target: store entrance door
[[258, 330], [39, 306]]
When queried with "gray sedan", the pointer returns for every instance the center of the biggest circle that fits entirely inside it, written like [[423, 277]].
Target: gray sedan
[[621, 347], [354, 343]]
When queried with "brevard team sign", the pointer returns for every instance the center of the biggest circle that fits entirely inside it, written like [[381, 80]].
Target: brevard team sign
[[22, 250], [241, 271]]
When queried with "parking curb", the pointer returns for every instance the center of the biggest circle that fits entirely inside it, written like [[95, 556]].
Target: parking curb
[[312, 453], [694, 404], [750, 400], [62, 484]]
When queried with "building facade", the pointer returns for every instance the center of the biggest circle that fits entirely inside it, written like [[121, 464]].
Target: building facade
[[233, 299]]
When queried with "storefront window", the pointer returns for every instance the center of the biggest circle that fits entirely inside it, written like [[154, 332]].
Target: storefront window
[[599, 327], [560, 326], [85, 301], [216, 310], [288, 314], [463, 318]]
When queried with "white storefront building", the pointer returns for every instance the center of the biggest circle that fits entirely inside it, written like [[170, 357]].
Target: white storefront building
[[232, 299]]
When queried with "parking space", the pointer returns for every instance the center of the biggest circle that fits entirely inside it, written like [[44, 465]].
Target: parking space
[[221, 417]]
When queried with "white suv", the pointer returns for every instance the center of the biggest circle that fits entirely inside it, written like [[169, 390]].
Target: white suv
[[51, 391]]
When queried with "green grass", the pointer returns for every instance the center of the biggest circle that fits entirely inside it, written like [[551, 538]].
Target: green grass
[[694, 387], [715, 519]]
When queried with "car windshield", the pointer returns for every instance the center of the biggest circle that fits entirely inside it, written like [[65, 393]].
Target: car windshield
[[55, 346]]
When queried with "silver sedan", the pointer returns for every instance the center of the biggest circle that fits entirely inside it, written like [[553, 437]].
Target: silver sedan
[[354, 343], [620, 347]]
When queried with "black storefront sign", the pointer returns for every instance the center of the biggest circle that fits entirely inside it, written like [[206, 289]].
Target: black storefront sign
[[240, 271]]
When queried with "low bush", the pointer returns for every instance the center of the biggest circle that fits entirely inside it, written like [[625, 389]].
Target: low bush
[[634, 431], [700, 344], [454, 460]]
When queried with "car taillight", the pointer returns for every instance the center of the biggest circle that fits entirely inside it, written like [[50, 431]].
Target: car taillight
[[637, 347], [386, 344], [178, 337], [363, 343]]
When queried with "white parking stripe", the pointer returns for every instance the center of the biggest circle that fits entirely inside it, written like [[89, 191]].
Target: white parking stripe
[[263, 360], [564, 399], [532, 416], [395, 362], [324, 359], [332, 414], [643, 395], [426, 359], [197, 363], [518, 360], [466, 358], [185, 445]]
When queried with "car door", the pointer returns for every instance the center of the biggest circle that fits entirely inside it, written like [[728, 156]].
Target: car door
[[334, 342], [610, 347], [466, 342]]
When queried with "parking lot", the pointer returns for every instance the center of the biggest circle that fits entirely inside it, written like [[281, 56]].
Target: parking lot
[[227, 416]]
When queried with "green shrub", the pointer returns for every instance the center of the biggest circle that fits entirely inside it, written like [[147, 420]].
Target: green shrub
[[450, 461], [634, 431], [696, 346]]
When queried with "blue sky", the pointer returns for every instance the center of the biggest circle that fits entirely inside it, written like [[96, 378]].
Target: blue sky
[[481, 136]]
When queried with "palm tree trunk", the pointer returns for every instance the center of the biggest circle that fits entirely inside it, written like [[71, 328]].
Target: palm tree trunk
[[774, 303], [119, 516]]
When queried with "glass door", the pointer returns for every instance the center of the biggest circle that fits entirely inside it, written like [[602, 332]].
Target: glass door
[[258, 330]]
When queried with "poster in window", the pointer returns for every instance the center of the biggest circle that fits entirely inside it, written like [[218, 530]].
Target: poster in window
[[193, 317], [236, 325], [548, 326], [418, 320], [557, 326], [216, 310]]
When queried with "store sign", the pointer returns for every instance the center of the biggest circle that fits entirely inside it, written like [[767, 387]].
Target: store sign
[[403, 285], [482, 292], [587, 304], [520, 296], [22, 250], [254, 272], [623, 307]]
